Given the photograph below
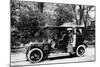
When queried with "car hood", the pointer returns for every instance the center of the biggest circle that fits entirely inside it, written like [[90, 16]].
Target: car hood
[[36, 43]]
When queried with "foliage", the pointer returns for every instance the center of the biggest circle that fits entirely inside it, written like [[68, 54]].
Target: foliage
[[29, 18], [14, 12], [65, 14]]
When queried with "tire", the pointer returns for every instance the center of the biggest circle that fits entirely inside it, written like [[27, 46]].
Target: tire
[[80, 51], [35, 55]]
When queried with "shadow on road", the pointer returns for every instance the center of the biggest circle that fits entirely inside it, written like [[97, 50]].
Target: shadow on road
[[61, 57], [18, 61]]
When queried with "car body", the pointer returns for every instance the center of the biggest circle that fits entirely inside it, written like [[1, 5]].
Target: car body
[[70, 40]]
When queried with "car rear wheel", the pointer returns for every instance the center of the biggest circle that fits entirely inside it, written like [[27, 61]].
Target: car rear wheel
[[35, 55], [80, 50]]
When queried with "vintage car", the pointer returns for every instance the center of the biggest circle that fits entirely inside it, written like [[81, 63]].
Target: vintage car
[[66, 39]]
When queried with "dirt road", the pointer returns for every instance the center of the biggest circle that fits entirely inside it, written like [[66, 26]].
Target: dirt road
[[19, 59]]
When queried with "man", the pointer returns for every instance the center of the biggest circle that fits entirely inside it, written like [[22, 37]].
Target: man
[[72, 39]]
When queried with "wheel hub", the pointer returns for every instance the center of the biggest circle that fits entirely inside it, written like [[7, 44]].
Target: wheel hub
[[35, 56], [81, 51]]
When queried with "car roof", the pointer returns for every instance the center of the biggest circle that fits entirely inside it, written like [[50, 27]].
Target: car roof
[[71, 26]]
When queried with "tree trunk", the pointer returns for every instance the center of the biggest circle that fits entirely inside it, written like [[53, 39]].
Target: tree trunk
[[41, 6], [81, 14]]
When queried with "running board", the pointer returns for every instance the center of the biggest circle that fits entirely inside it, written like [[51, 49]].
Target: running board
[[58, 54]]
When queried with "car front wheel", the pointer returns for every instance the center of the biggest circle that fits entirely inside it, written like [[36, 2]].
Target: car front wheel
[[35, 55]]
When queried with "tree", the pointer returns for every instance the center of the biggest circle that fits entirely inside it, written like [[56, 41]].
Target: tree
[[40, 6], [30, 19], [87, 16], [65, 13], [14, 12], [83, 12]]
